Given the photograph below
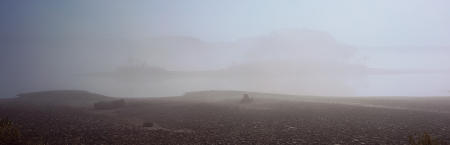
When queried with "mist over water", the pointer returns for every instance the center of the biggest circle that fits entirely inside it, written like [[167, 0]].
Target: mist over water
[[280, 62], [139, 49]]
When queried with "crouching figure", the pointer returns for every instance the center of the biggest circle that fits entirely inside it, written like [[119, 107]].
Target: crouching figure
[[246, 99]]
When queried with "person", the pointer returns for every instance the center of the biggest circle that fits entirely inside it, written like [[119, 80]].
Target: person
[[246, 99]]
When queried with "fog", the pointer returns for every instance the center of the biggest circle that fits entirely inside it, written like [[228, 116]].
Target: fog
[[159, 48]]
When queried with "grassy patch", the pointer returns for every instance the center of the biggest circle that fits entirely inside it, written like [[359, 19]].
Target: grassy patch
[[425, 139]]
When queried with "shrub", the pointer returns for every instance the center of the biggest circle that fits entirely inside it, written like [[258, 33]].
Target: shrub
[[425, 139], [9, 133]]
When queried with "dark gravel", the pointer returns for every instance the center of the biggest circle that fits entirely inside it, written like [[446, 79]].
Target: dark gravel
[[222, 123]]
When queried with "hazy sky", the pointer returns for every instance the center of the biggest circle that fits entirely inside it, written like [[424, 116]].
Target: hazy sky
[[373, 47], [357, 22]]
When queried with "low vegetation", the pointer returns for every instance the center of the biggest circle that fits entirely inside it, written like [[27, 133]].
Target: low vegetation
[[9, 133], [425, 139]]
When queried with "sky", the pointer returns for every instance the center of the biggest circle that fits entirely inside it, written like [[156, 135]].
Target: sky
[[321, 47]]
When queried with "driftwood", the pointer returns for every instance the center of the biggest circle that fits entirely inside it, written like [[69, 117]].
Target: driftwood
[[147, 124], [104, 105]]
